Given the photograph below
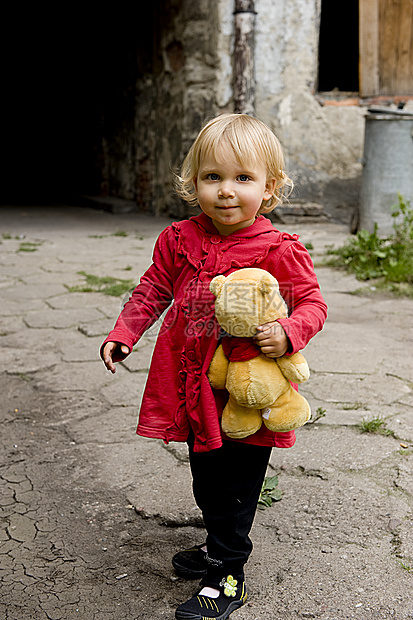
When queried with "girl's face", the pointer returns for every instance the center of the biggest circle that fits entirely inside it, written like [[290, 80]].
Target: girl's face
[[229, 193]]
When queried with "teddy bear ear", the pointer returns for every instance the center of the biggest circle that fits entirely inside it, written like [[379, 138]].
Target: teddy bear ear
[[216, 285], [267, 284]]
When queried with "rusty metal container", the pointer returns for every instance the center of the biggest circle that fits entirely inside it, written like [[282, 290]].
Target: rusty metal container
[[387, 167]]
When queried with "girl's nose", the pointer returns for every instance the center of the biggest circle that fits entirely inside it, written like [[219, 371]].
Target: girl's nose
[[226, 190]]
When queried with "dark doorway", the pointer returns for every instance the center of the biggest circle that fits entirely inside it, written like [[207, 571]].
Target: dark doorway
[[69, 81], [338, 61]]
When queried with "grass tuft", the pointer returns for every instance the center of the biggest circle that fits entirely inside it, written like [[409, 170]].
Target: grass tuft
[[408, 567], [28, 246], [107, 285], [386, 260], [376, 425]]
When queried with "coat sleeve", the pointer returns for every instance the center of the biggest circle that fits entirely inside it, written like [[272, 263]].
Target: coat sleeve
[[150, 298], [301, 291]]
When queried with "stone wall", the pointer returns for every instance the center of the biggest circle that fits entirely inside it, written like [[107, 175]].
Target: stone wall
[[184, 75], [185, 91], [177, 66], [323, 143]]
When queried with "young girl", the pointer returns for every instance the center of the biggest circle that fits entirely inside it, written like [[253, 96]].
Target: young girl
[[234, 172]]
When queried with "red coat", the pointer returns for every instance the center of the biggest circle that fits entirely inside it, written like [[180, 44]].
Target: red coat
[[187, 255]]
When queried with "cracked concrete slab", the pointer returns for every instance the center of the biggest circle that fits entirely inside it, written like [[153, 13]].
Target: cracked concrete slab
[[13, 308], [78, 348], [126, 390], [99, 426], [29, 292], [342, 447], [62, 319], [357, 388], [26, 361], [73, 301], [330, 354], [100, 327], [91, 514]]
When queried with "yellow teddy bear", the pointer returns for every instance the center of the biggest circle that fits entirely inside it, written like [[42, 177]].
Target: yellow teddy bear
[[259, 387]]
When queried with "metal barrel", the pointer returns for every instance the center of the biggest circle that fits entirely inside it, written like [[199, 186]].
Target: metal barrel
[[387, 168]]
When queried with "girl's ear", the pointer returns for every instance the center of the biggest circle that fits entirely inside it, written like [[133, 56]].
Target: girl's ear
[[195, 182], [270, 187]]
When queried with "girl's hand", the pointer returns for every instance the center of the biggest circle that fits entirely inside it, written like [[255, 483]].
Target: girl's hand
[[272, 339], [108, 351]]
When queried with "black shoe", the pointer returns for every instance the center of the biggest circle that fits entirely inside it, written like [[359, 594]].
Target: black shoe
[[191, 563], [233, 595]]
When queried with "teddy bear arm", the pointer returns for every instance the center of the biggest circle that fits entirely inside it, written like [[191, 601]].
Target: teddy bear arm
[[218, 369], [294, 367]]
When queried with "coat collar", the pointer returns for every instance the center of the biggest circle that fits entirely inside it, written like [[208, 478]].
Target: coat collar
[[243, 248], [261, 224]]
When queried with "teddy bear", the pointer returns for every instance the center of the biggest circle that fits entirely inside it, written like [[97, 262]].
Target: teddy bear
[[259, 387]]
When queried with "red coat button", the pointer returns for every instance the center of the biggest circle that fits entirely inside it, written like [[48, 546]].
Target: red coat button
[[191, 356], [215, 240]]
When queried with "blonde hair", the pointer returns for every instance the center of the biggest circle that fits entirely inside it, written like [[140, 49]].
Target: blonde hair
[[252, 143]]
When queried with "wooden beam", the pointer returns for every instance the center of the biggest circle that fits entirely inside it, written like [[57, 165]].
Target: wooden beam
[[396, 47], [369, 47]]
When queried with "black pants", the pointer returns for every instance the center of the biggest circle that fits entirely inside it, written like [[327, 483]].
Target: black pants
[[226, 485]]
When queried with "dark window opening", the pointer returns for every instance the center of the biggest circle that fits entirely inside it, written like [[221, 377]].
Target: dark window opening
[[338, 59]]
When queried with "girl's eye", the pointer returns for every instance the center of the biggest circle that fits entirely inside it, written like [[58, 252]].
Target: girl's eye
[[213, 176], [243, 177]]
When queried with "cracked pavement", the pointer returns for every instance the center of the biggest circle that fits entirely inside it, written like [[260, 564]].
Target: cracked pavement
[[91, 514]]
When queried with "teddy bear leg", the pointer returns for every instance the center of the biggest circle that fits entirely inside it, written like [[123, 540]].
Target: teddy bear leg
[[290, 411], [238, 422]]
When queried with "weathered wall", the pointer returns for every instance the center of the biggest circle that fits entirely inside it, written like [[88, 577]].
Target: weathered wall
[[184, 75], [185, 93], [323, 144], [174, 90]]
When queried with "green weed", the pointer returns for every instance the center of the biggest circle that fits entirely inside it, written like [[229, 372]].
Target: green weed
[[320, 413], [106, 285], [386, 259], [24, 377], [408, 567], [6, 236], [118, 233], [353, 406], [405, 452], [28, 246], [376, 424], [269, 493]]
